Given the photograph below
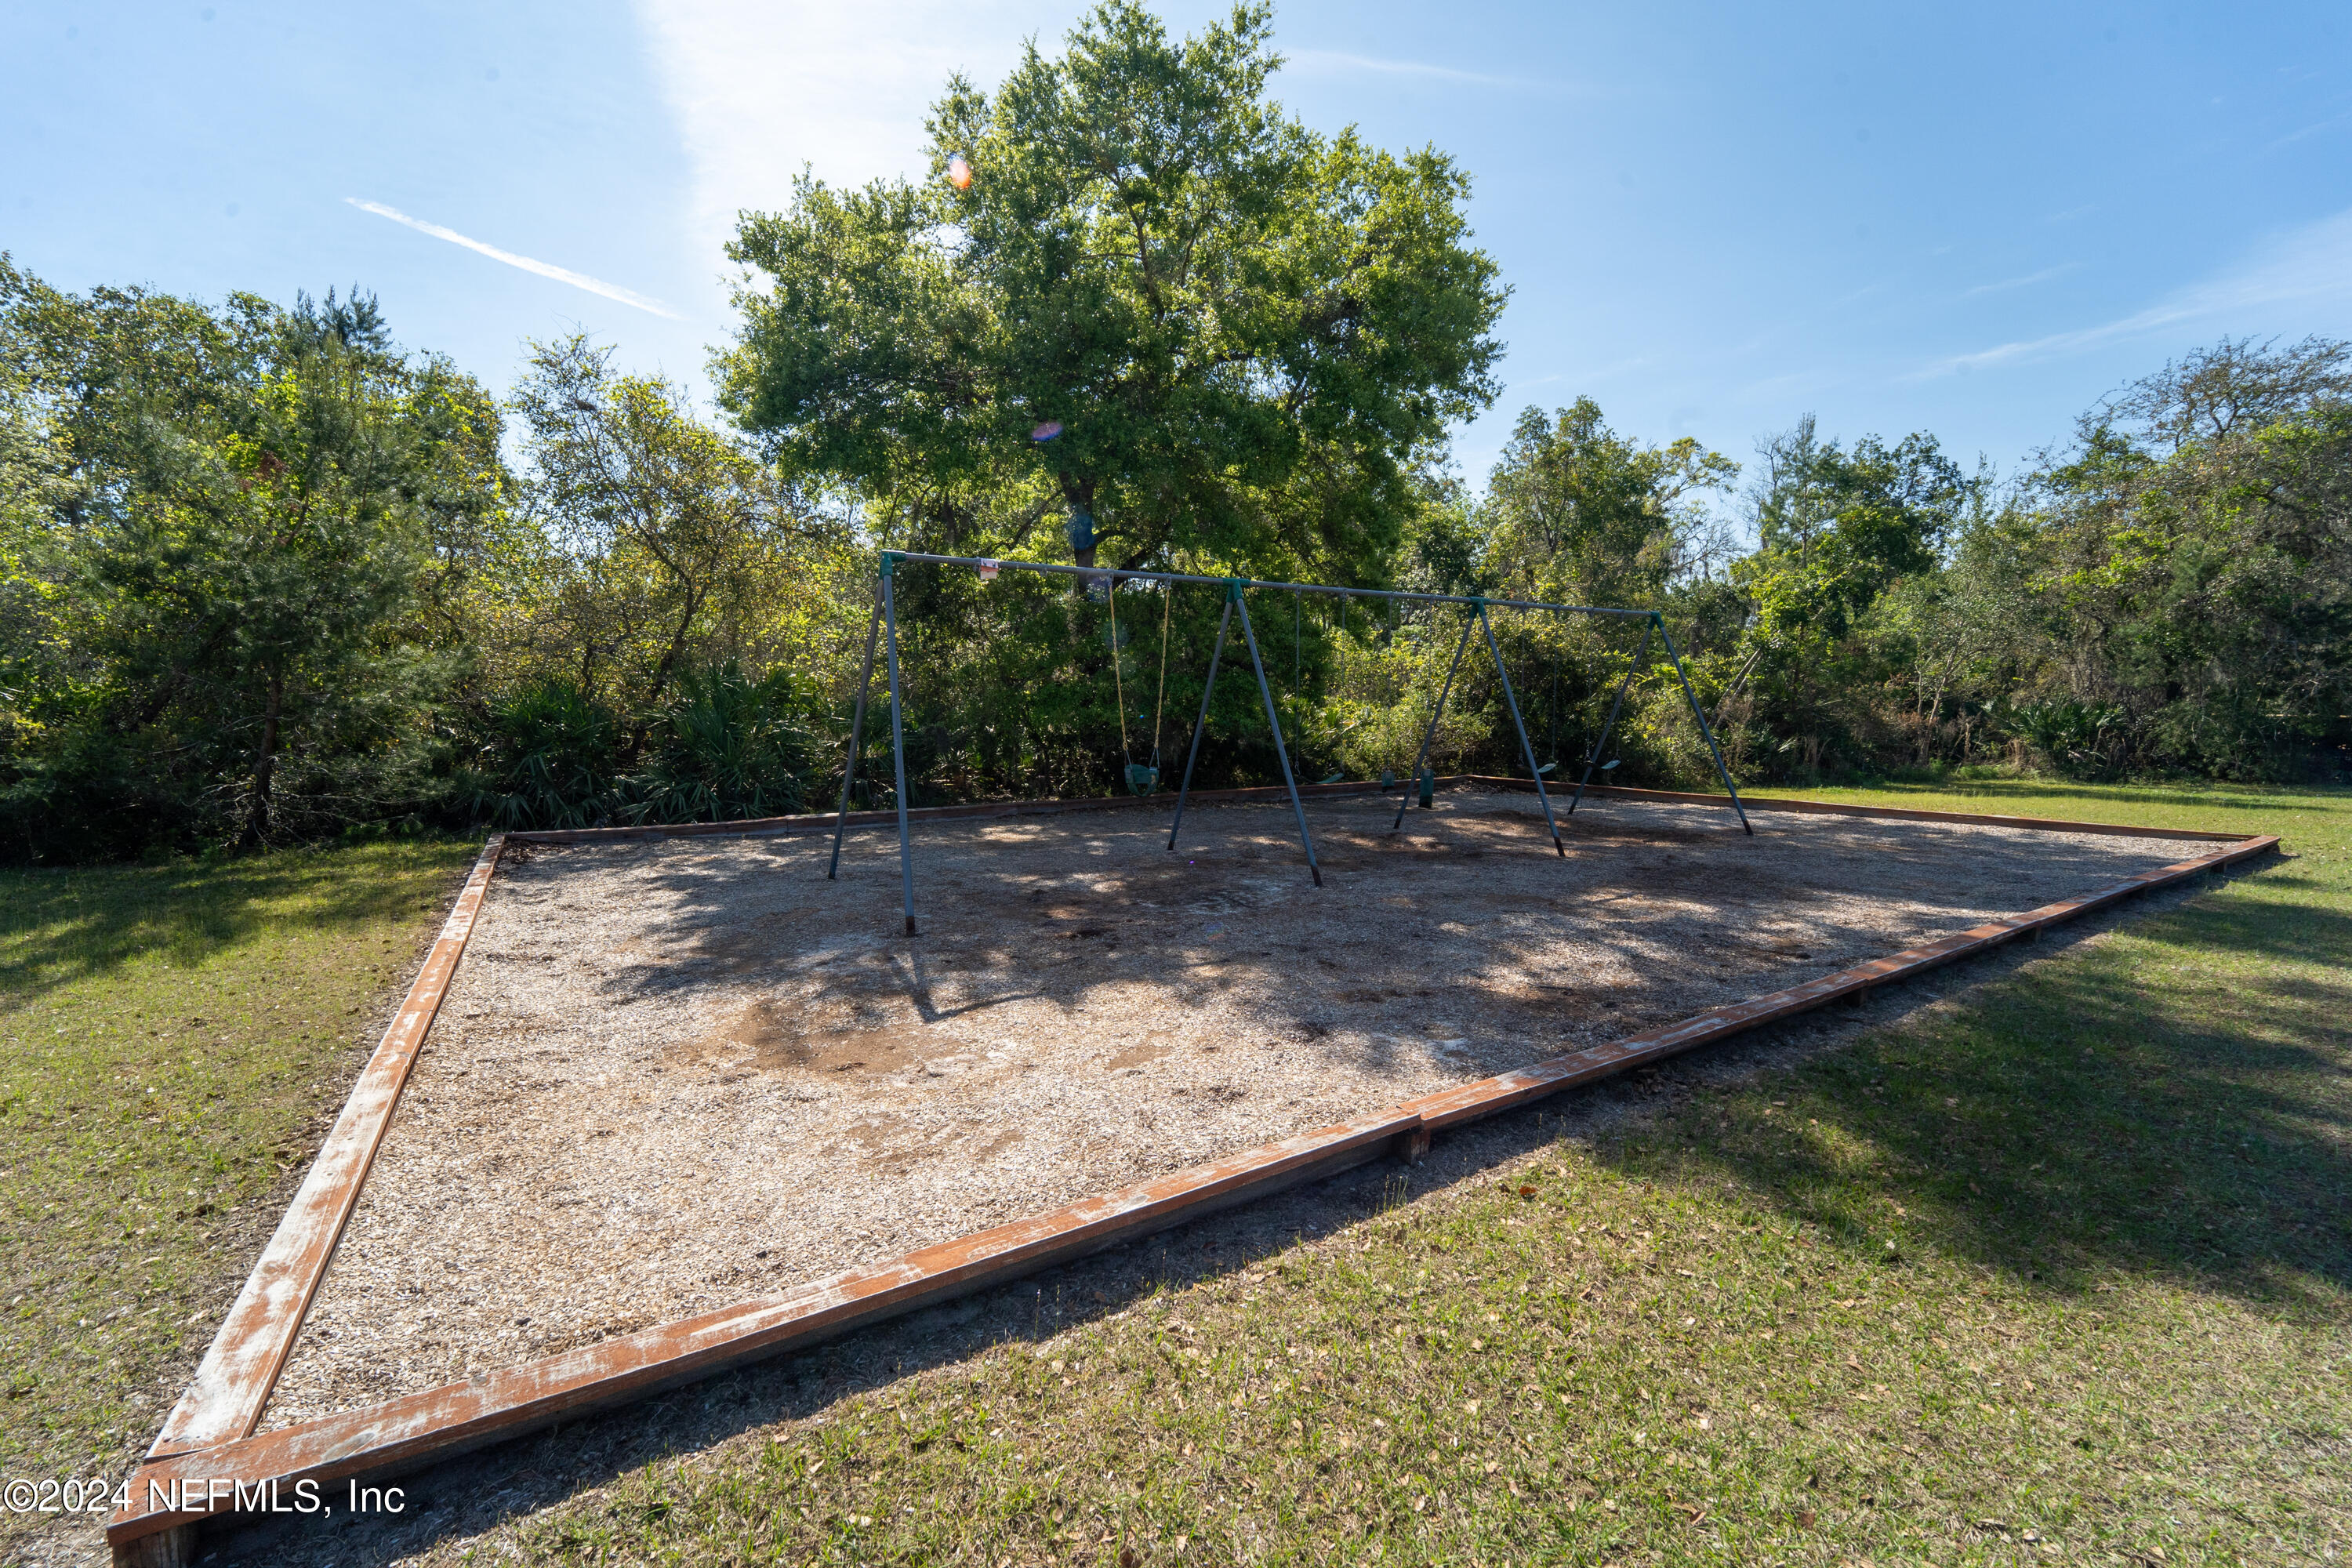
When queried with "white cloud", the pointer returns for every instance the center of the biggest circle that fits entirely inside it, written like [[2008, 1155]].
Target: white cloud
[[2305, 267], [2293, 136], [759, 89], [544, 269], [2031, 278], [1333, 58], [1585, 377]]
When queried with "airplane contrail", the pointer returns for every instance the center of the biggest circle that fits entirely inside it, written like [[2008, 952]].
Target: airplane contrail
[[544, 269]]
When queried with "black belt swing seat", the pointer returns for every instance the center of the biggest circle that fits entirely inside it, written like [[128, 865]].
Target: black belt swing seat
[[1141, 778]]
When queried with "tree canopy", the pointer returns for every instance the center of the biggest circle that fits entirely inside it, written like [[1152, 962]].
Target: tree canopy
[[1581, 514], [266, 575], [1247, 334], [251, 516], [2196, 551]]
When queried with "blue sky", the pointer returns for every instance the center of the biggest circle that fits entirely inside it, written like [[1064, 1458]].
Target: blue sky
[[1715, 218]]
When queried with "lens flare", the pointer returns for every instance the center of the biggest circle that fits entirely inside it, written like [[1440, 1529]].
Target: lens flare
[[1047, 431], [959, 172]]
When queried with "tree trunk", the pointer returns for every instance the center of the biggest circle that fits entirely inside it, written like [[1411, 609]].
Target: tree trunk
[[663, 670], [265, 763]]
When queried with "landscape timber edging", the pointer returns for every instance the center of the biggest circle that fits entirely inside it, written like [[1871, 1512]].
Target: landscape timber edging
[[1890, 812], [818, 822], [419, 1429], [233, 1383], [416, 1429]]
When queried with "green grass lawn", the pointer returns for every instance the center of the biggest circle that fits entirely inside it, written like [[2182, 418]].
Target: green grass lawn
[[2056, 1271], [174, 1041]]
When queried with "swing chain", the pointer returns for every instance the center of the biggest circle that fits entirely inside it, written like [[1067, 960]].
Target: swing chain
[[1118, 679], [1144, 778], [1160, 706]]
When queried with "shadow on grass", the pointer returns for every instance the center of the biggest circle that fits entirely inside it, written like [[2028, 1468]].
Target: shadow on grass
[[2080, 1109], [2125, 1111], [458, 1498], [59, 927]]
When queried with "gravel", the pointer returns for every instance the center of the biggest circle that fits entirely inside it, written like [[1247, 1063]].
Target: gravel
[[671, 1076]]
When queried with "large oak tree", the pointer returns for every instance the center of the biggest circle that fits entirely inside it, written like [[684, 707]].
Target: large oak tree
[[1249, 333]]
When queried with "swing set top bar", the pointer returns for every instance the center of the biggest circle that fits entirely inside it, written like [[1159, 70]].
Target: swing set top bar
[[1119, 573], [885, 624]]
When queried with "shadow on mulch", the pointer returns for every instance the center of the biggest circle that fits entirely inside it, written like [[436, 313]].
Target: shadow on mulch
[[451, 1505]]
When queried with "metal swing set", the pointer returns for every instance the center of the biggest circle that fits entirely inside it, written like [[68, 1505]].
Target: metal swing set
[[883, 626]]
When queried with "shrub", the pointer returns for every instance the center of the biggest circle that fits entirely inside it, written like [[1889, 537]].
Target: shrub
[[729, 747], [549, 762], [2076, 738]]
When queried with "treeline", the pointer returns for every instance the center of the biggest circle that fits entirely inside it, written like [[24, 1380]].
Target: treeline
[[2169, 594], [265, 577]]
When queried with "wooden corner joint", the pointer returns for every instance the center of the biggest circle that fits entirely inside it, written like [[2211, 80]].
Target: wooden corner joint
[[1412, 1145], [173, 1548]]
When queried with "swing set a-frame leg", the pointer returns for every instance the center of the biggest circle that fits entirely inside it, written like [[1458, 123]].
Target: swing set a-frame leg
[[1281, 752], [898, 742], [1201, 727], [1614, 708], [1704, 728], [1421, 761], [856, 733], [1525, 746], [1199, 724]]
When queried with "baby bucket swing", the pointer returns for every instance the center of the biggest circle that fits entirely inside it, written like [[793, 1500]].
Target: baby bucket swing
[[1141, 778]]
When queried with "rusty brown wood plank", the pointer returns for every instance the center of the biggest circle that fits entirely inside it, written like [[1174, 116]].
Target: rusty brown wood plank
[[441, 1421], [1469, 1101], [1892, 813], [421, 1427], [234, 1381], [822, 822], [779, 827]]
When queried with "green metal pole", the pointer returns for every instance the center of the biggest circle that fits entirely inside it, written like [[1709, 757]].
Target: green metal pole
[[1419, 761], [1281, 753], [898, 743], [857, 733], [1201, 724], [1526, 746], [1610, 728], [1704, 728]]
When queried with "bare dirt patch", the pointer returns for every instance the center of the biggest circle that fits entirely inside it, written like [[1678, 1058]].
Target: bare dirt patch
[[671, 1076]]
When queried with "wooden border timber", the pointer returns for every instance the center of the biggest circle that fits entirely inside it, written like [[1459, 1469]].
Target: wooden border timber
[[1470, 1102], [239, 1371], [824, 822], [421, 1428], [1893, 813]]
